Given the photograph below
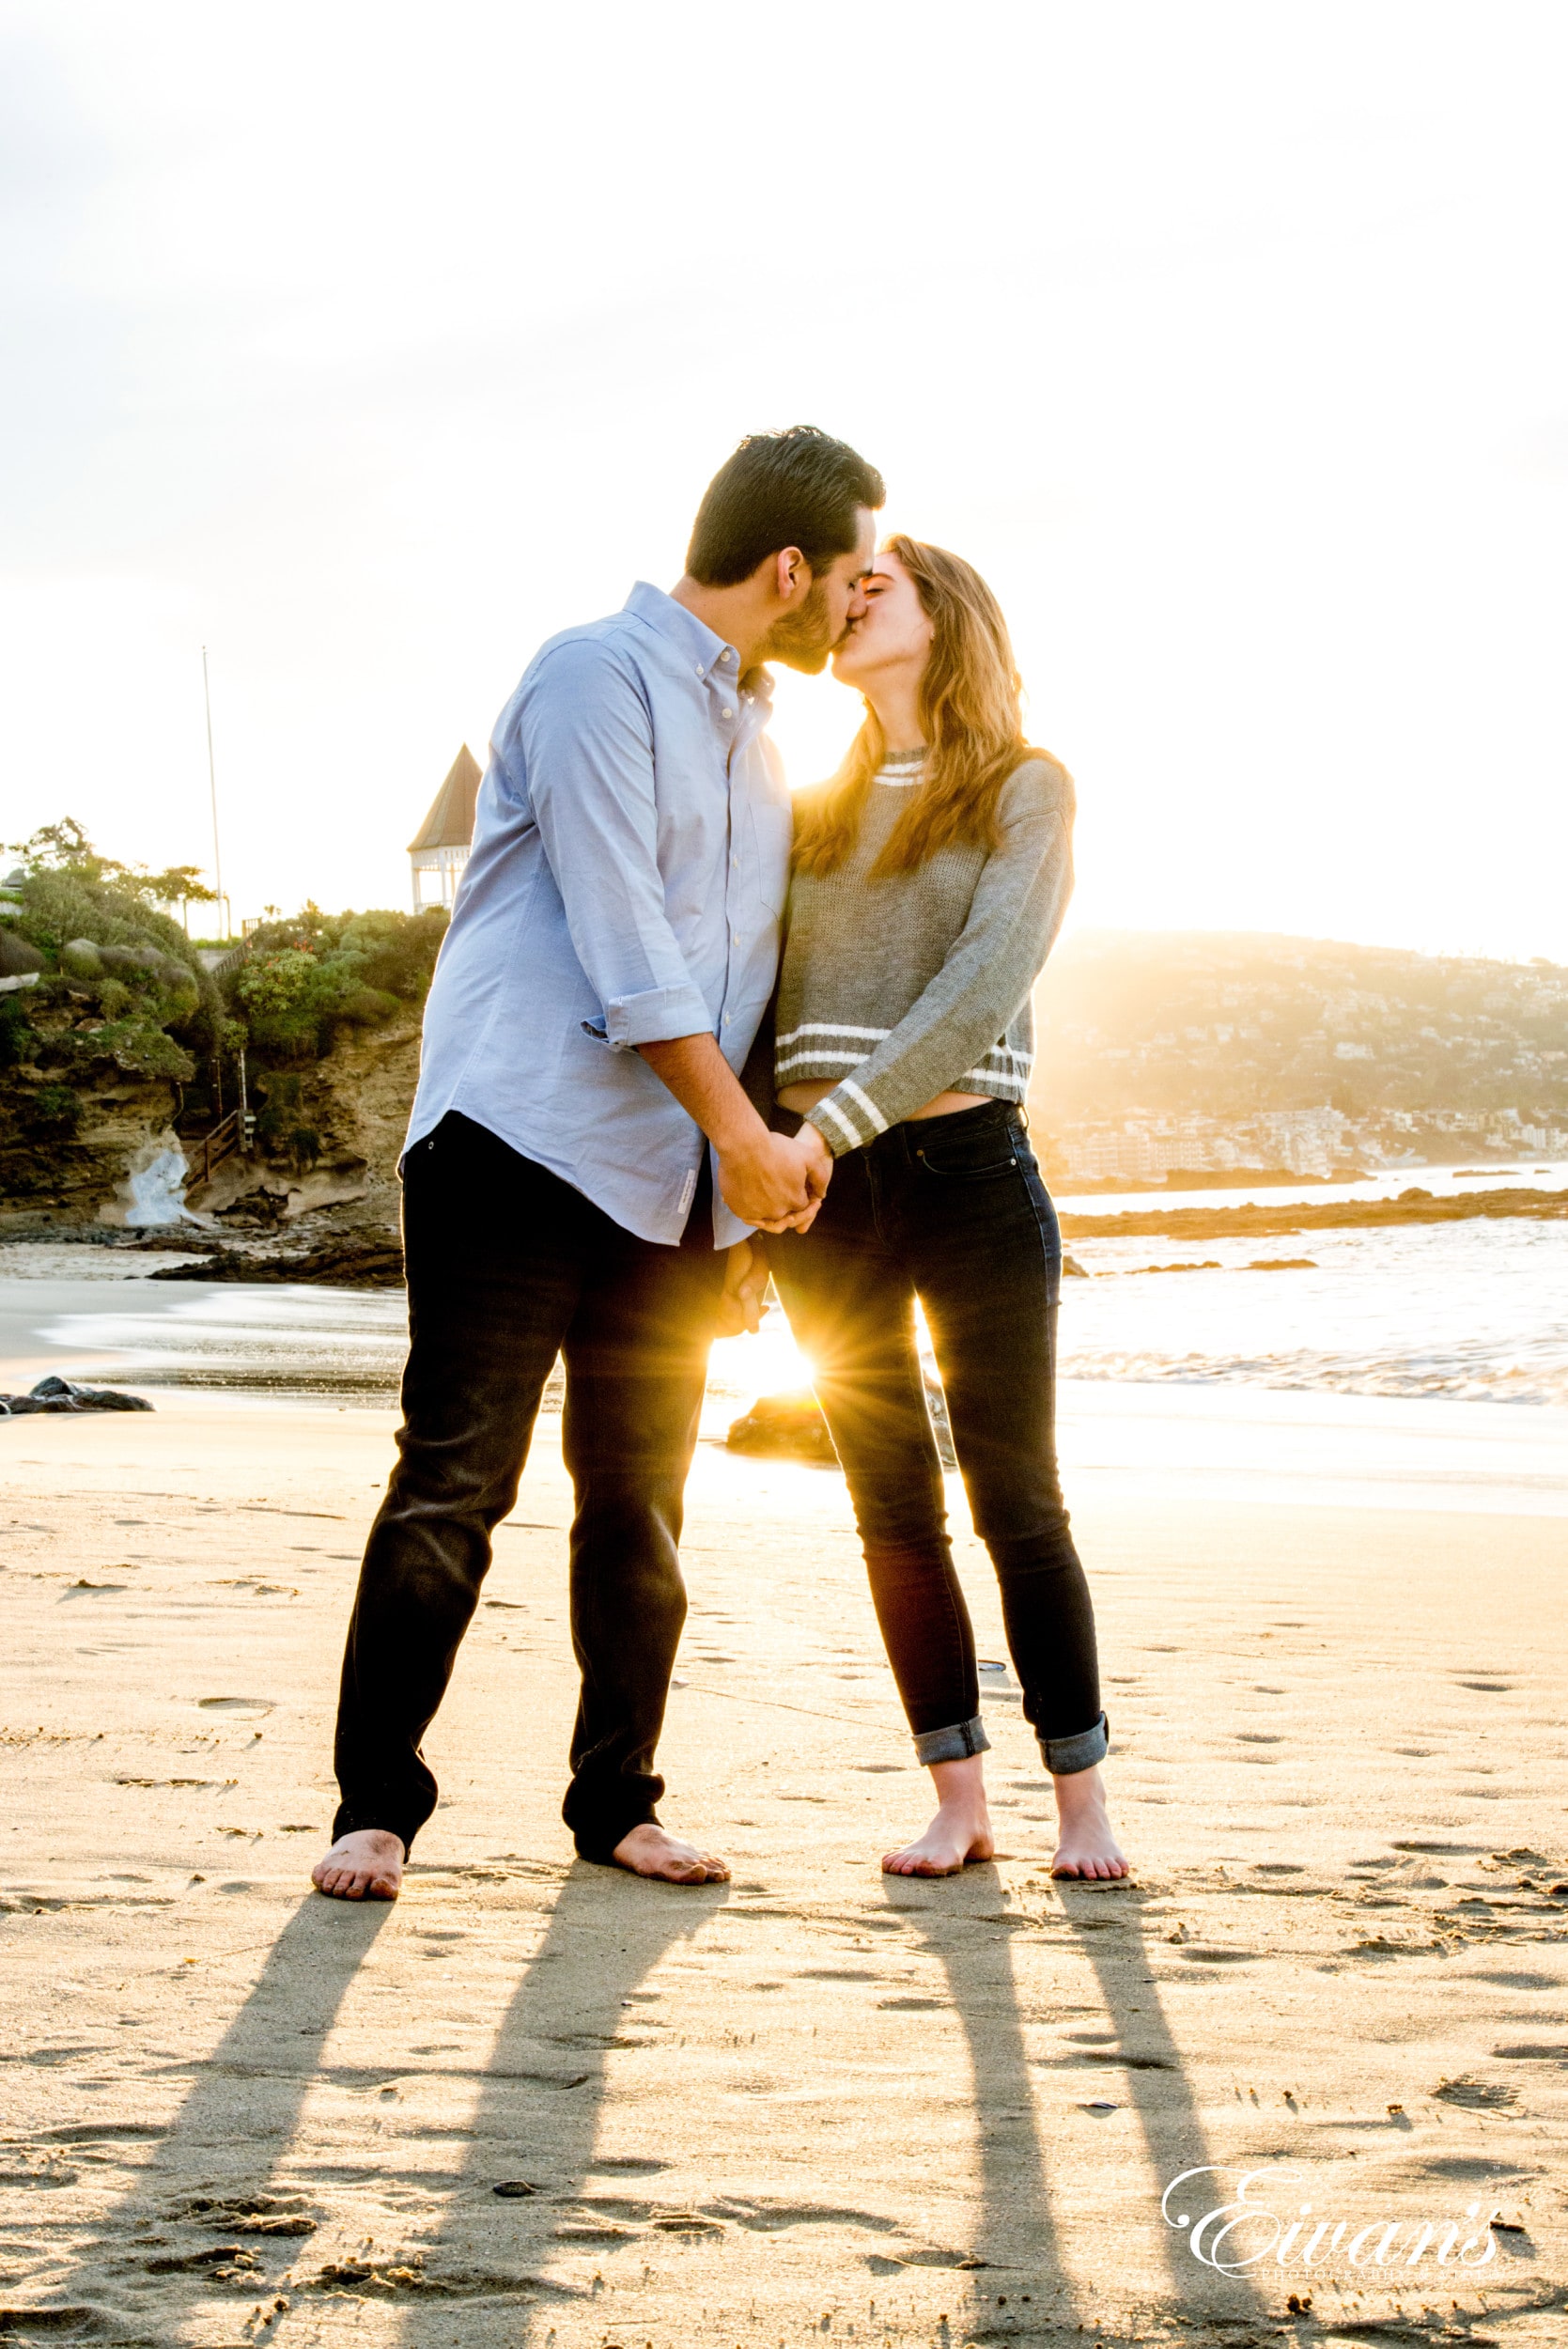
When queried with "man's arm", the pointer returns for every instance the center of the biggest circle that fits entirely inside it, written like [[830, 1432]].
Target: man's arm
[[776, 1181], [589, 749], [586, 738]]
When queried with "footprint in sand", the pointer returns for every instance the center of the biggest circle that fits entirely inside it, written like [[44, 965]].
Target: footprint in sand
[[1473, 2095], [1466, 2166]]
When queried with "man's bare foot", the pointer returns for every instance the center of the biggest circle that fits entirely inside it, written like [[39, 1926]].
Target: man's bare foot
[[961, 1830], [1086, 1847], [647, 1851], [363, 1865]]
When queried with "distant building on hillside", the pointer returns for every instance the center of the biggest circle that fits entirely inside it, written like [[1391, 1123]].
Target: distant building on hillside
[[439, 849]]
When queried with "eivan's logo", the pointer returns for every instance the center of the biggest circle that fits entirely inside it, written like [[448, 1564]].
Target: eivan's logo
[[1238, 2233]]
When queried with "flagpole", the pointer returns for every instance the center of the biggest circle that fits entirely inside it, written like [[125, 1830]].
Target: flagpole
[[212, 785]]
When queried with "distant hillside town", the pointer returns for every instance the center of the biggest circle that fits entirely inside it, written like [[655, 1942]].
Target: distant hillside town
[[1197, 1053]]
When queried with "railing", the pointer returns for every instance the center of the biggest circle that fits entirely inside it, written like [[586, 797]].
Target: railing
[[209, 1151], [221, 960]]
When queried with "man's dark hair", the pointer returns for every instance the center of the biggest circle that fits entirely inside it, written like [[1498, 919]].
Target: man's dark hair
[[796, 489]]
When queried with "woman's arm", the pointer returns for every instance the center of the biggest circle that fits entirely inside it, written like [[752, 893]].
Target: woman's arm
[[1016, 910]]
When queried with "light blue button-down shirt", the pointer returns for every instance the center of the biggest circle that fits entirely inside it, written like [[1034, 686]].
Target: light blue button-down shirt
[[627, 882]]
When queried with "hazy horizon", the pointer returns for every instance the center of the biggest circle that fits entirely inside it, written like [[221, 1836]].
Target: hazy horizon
[[1227, 343]]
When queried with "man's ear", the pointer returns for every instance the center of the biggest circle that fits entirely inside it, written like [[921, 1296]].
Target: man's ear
[[791, 575]]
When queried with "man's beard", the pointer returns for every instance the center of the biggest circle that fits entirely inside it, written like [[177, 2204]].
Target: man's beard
[[802, 640]]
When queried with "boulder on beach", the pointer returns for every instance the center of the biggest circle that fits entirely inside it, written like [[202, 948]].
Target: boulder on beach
[[786, 1427], [53, 1394]]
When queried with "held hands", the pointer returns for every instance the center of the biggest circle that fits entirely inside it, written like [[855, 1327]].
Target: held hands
[[745, 1285], [776, 1181]]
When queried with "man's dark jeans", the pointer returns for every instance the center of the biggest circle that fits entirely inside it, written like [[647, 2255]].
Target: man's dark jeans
[[952, 1210], [507, 1265]]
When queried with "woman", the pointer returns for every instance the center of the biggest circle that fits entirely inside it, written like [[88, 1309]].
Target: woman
[[930, 879]]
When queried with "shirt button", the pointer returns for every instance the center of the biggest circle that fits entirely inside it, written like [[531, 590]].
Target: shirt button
[[701, 671], [728, 711]]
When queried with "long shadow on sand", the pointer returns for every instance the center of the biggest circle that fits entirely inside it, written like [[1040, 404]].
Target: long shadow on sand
[[1108, 1929], [535, 2129], [225, 2143], [1019, 2234], [1015, 2240]]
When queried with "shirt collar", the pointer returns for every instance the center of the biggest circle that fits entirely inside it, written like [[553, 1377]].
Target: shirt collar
[[690, 636], [696, 641]]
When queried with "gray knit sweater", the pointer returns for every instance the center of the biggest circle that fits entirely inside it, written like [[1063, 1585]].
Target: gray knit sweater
[[918, 983]]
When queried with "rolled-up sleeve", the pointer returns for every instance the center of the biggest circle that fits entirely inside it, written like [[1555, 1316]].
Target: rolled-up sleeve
[[586, 738]]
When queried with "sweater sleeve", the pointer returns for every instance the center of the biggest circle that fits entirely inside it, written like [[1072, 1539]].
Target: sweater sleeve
[[1014, 914]]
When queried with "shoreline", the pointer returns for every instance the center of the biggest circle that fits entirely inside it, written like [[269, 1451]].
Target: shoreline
[[333, 1249]]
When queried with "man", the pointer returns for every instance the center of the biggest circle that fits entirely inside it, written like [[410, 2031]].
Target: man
[[613, 950]]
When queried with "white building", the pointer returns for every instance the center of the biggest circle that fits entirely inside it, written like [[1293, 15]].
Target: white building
[[439, 849]]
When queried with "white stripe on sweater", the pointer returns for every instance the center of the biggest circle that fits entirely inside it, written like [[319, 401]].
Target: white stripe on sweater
[[839, 1120], [831, 1027], [866, 1106]]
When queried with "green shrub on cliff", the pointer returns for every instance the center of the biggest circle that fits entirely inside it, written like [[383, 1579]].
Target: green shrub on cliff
[[308, 976], [18, 1037], [105, 945], [56, 1113]]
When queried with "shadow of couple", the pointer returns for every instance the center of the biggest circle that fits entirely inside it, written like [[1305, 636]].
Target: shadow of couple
[[531, 2121]]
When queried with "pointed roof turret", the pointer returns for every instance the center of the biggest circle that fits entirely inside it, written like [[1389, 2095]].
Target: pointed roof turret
[[450, 822]]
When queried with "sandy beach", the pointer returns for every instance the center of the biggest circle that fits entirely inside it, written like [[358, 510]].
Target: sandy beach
[[540, 2103]]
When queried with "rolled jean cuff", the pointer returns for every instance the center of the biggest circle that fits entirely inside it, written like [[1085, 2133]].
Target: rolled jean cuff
[[1063, 1756], [953, 1745]]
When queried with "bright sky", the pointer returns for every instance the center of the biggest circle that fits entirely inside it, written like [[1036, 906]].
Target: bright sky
[[370, 345]]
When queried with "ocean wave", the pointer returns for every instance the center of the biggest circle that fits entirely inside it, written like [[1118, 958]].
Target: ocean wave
[[1477, 1380]]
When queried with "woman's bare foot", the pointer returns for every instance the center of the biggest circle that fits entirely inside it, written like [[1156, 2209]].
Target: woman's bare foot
[[961, 1830], [1086, 1847], [365, 1865], [647, 1851]]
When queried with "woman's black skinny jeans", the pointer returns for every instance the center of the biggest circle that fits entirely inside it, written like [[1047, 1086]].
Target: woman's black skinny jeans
[[952, 1210]]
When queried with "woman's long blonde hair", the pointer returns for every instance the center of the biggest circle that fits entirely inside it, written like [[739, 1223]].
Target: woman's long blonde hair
[[969, 714]]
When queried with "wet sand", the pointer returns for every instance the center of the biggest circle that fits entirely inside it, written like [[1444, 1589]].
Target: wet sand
[[813, 2103]]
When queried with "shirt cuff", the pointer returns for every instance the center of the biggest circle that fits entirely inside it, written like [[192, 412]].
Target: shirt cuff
[[656, 1016], [847, 1118]]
